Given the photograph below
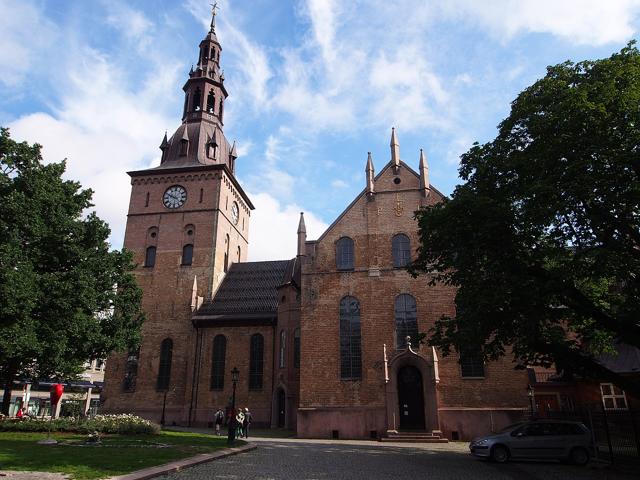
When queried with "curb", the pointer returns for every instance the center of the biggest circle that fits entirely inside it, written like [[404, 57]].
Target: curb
[[178, 465]]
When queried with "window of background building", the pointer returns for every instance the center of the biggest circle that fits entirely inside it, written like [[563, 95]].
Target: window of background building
[[256, 361], [187, 254], [350, 353], [471, 363], [344, 254], [401, 249], [150, 257], [612, 397], [164, 369], [406, 314], [217, 362]]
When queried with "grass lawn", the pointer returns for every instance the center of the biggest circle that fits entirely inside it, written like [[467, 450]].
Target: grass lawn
[[118, 454]]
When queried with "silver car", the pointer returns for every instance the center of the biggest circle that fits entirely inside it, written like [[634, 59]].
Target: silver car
[[540, 439]]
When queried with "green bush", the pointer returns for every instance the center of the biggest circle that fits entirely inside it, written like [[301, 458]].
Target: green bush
[[123, 424]]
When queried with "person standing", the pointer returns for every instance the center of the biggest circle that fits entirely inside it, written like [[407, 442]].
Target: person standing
[[240, 421], [247, 422], [218, 419]]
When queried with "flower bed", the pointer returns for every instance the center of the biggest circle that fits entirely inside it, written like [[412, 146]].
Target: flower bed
[[123, 424]]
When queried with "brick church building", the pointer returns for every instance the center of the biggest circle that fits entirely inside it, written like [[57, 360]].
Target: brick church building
[[324, 342]]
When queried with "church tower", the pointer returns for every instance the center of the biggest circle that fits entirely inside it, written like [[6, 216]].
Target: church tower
[[188, 221]]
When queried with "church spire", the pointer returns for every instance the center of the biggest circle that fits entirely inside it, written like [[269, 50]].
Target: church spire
[[214, 7], [395, 150], [424, 175], [370, 174], [302, 235]]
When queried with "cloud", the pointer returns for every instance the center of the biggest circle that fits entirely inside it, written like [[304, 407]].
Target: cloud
[[273, 227], [25, 36], [339, 184], [592, 22], [131, 23]]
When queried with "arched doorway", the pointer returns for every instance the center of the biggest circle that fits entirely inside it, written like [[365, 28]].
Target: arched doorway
[[411, 398], [282, 408]]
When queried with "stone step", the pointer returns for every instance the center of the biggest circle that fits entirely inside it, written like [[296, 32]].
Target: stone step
[[415, 437]]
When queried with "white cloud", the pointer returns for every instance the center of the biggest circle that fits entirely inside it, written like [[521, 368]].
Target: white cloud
[[339, 184], [25, 38], [131, 23], [593, 22], [273, 227]]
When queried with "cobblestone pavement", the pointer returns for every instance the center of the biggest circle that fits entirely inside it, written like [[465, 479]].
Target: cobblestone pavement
[[284, 459]]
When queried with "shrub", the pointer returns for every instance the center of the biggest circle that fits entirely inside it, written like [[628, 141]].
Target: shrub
[[122, 424]]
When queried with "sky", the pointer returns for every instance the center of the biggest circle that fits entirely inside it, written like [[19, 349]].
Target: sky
[[313, 86]]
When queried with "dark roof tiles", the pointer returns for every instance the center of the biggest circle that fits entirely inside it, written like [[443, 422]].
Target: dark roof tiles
[[248, 288]]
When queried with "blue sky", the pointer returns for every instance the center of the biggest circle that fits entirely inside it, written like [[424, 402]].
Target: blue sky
[[314, 85]]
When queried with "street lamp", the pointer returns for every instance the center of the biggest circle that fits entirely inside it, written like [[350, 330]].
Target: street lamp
[[231, 435], [530, 394], [164, 404]]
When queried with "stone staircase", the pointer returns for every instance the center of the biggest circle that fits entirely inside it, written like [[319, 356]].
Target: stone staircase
[[415, 437]]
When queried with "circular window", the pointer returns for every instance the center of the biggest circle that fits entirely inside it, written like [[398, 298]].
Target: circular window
[[153, 234], [396, 180], [189, 232]]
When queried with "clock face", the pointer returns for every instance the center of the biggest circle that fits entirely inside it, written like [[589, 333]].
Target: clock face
[[234, 213], [174, 197]]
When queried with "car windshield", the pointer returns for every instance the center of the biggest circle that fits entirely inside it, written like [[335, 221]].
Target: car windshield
[[510, 427]]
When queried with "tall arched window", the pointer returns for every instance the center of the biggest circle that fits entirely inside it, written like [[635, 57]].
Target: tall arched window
[[226, 253], [150, 257], [401, 247], [211, 101], [296, 348], [350, 352], [283, 343], [406, 320], [344, 254], [186, 104], [187, 254], [197, 98], [221, 108], [256, 361], [164, 369], [217, 362], [238, 254]]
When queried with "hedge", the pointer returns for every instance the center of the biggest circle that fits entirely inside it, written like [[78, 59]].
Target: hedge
[[123, 424]]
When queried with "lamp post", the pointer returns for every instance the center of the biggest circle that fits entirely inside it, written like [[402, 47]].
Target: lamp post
[[530, 394], [231, 435], [164, 406]]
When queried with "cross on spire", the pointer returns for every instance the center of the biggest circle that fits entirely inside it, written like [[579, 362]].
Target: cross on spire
[[214, 7]]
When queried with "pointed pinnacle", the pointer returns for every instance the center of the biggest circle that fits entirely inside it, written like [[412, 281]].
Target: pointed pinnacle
[[301, 226], [369, 163], [233, 152], [394, 139], [165, 142], [423, 160]]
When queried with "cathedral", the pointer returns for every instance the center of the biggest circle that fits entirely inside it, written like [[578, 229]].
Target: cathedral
[[323, 343]]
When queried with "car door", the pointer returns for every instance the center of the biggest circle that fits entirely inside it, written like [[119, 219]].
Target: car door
[[525, 441], [553, 441]]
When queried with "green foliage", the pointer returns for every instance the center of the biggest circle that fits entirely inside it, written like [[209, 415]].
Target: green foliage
[[542, 239], [122, 424], [64, 296]]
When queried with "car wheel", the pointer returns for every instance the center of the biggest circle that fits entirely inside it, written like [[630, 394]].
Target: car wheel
[[579, 456], [500, 454]]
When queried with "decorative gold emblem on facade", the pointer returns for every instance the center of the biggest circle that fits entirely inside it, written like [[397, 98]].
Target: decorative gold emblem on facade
[[399, 207]]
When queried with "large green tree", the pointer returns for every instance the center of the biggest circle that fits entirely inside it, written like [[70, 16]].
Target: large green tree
[[65, 297], [542, 238]]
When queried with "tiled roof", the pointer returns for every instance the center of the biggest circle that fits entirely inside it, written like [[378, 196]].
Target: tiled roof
[[626, 361], [248, 288]]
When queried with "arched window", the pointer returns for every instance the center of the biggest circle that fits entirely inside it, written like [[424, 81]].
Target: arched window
[[256, 361], [296, 348], [283, 343], [150, 257], [187, 254], [238, 254], [344, 254], [186, 104], [221, 108], [471, 363], [217, 362], [146, 201], [164, 370], [406, 320], [197, 98], [226, 253], [401, 250], [350, 352], [211, 101], [131, 371]]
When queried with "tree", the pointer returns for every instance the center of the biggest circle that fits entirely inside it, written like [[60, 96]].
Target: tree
[[64, 296], [542, 238]]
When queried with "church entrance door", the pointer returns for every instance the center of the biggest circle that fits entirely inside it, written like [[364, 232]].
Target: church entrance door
[[282, 406], [411, 399]]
